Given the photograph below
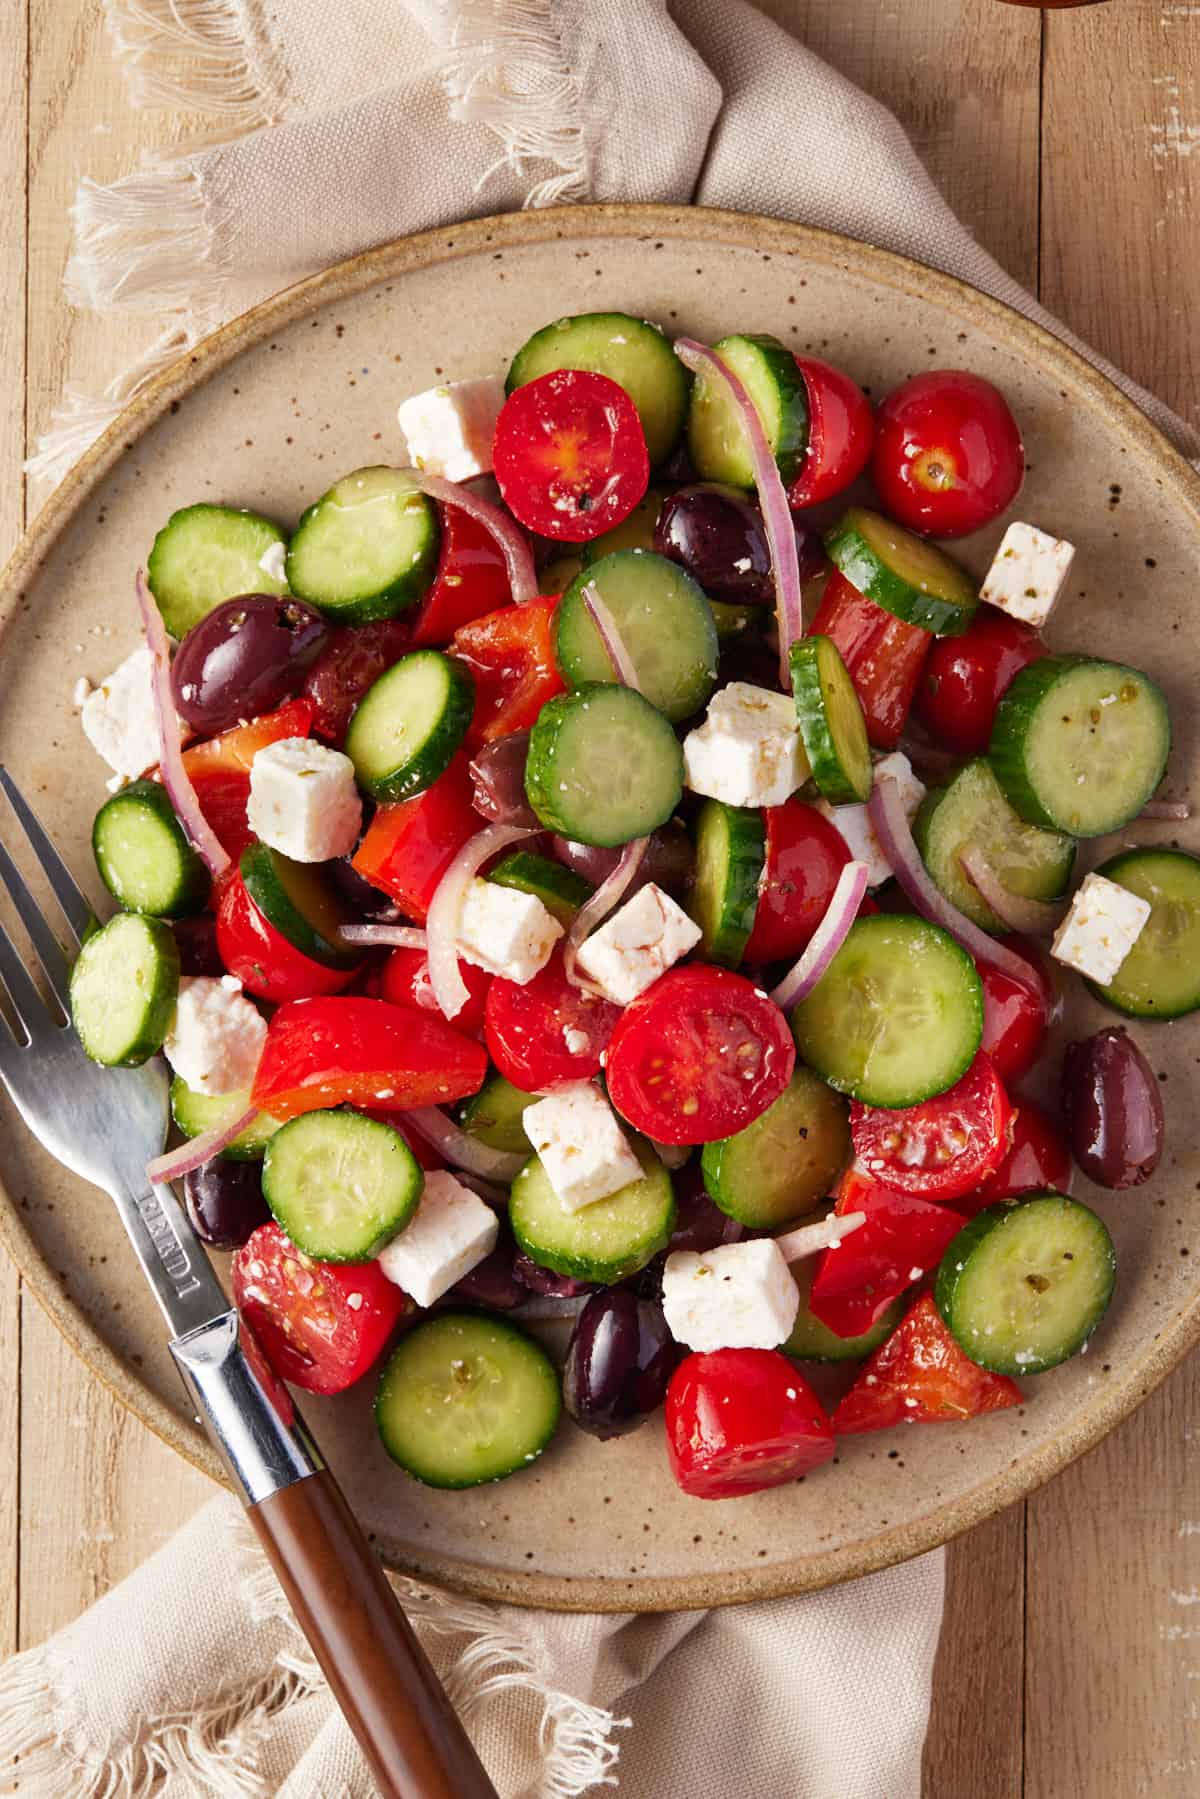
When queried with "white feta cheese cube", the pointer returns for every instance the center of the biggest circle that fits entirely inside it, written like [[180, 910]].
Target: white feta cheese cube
[[217, 1035], [505, 931], [580, 1145], [118, 717], [748, 750], [737, 1296], [304, 800], [1104, 922], [450, 1233], [1027, 573], [273, 561], [638, 943], [449, 429], [853, 823]]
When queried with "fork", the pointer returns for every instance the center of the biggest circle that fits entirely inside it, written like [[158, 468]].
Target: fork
[[104, 1124]]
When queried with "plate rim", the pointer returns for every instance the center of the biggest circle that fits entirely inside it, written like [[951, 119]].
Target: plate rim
[[460, 242]]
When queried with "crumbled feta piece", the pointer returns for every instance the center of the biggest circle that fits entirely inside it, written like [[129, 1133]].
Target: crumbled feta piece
[[273, 561], [505, 931], [737, 1296], [216, 1037], [853, 823], [118, 717], [81, 691], [575, 1041], [1102, 926], [580, 1145], [450, 1233], [449, 429], [1027, 573], [303, 800], [638, 943], [748, 750]]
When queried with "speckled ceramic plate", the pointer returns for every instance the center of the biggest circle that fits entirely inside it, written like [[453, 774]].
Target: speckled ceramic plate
[[266, 414]]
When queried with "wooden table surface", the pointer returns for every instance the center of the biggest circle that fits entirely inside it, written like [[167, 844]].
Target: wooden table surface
[[1069, 142]]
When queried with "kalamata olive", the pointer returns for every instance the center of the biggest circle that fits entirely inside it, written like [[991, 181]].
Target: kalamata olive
[[243, 658], [667, 861], [498, 779], [718, 536], [1113, 1109], [364, 900], [353, 658], [620, 1358], [544, 1281], [224, 1201], [492, 1281], [700, 1223], [197, 941]]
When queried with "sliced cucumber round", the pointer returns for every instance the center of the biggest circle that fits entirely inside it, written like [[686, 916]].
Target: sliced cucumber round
[[493, 1116], [897, 1017], [972, 812], [143, 854], [1080, 745], [366, 549], [205, 554], [301, 902], [560, 889], [830, 715], [903, 573], [786, 1162], [630, 351], [606, 1241], [731, 853], [635, 532], [603, 766], [1160, 977], [813, 1341], [409, 724], [124, 986], [195, 1113], [716, 436], [664, 621], [1023, 1285], [340, 1185]]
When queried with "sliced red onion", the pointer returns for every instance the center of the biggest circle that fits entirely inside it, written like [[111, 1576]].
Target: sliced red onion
[[886, 810], [383, 936], [772, 497], [441, 923], [463, 1151], [827, 1233], [197, 1150], [1037, 917], [180, 791], [497, 773], [827, 939], [610, 637], [522, 576], [1176, 809], [599, 907]]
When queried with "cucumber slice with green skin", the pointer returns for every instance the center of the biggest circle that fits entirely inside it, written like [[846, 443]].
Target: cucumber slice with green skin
[[493, 1116], [731, 852], [124, 986], [340, 1185], [366, 549], [903, 573], [630, 351], [812, 1341], [195, 1113], [409, 724], [603, 766], [206, 554], [786, 1162], [732, 620], [636, 532], [972, 812], [560, 889], [716, 435], [897, 1017], [830, 716], [663, 619], [143, 854], [606, 1241], [1160, 977], [301, 902], [1024, 1284], [466, 1398], [1080, 745]]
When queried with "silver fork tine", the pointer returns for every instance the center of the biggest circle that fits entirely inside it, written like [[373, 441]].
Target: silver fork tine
[[49, 951], [71, 898], [27, 1002]]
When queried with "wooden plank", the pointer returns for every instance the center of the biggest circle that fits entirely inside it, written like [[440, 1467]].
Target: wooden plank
[[974, 1741]]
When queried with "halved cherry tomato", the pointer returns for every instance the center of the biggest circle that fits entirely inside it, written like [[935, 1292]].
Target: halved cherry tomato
[[320, 1325], [966, 677], [921, 1376], [409, 846], [1038, 1161], [948, 455], [700, 1055], [841, 430], [741, 1420], [1017, 1014], [471, 579], [805, 856], [219, 769], [570, 455], [547, 1032], [362, 1052], [943, 1147], [884, 656], [510, 654], [261, 957], [902, 1240], [351, 661], [404, 981]]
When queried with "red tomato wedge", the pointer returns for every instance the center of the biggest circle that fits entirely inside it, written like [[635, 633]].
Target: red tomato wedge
[[570, 455], [884, 656], [805, 856], [219, 769], [700, 1055], [1038, 1160], [510, 654], [261, 957], [362, 1052], [320, 1325], [841, 430], [966, 677], [1017, 1014], [547, 1032], [404, 981], [741, 1420], [408, 847], [471, 579], [921, 1376], [942, 1148], [901, 1241], [354, 657]]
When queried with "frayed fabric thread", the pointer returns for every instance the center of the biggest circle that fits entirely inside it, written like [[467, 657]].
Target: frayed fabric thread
[[212, 56]]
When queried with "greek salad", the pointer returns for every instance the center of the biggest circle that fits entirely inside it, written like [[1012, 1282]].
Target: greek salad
[[564, 881]]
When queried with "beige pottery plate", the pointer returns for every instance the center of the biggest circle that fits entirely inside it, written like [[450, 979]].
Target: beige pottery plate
[[266, 414]]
